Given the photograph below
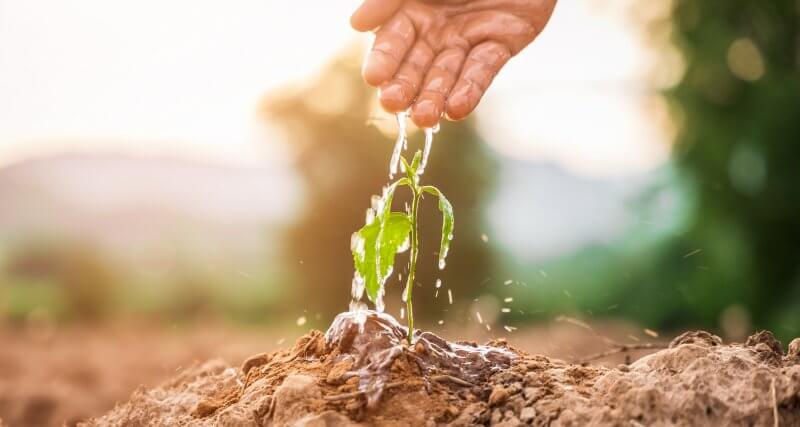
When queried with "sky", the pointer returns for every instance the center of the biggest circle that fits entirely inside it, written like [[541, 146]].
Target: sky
[[183, 78]]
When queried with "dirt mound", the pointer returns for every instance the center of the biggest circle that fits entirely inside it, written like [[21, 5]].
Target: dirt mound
[[331, 380]]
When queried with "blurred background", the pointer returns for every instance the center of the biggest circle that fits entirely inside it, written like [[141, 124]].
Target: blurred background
[[179, 180]]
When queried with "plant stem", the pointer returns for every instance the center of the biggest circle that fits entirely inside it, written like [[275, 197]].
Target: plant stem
[[412, 266]]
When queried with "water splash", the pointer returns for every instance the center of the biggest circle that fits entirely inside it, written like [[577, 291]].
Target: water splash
[[399, 144], [374, 341], [357, 289]]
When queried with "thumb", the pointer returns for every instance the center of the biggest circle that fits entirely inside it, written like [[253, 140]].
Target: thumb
[[372, 13]]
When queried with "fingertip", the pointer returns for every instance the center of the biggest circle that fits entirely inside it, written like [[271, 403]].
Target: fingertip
[[373, 13], [394, 97], [373, 78], [378, 68], [358, 23], [457, 107], [426, 113]]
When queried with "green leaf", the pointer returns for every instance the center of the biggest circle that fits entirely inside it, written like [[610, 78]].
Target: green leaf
[[364, 247], [389, 196], [415, 162], [448, 222], [376, 244], [393, 234], [406, 166], [411, 170]]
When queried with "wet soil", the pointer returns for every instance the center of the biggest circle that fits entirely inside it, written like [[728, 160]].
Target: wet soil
[[332, 379]]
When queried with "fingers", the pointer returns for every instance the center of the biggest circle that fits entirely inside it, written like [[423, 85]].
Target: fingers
[[391, 44], [484, 62], [441, 77], [372, 13], [398, 94]]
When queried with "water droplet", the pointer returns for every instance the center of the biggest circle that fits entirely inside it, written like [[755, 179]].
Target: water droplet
[[402, 313], [508, 299], [357, 287], [485, 238], [478, 316], [301, 320], [438, 283], [357, 244], [509, 328], [377, 203], [404, 246], [379, 306], [508, 282], [441, 322], [441, 263], [505, 310], [450, 296]]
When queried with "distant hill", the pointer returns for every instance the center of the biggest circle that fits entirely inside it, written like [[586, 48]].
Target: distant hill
[[542, 211], [125, 203]]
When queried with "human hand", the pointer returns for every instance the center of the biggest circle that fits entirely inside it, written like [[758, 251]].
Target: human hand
[[442, 55]]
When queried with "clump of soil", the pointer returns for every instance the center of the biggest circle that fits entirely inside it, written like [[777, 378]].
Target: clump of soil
[[366, 376]]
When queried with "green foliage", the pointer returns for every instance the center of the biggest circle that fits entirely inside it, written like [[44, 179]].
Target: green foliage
[[376, 243], [734, 175]]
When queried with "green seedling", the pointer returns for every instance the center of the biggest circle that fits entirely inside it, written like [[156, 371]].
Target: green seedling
[[390, 232]]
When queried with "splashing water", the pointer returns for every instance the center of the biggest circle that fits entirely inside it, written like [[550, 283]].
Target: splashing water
[[399, 143], [427, 150], [373, 341]]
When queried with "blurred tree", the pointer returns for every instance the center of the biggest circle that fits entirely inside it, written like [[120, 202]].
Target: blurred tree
[[738, 105], [342, 144], [731, 259]]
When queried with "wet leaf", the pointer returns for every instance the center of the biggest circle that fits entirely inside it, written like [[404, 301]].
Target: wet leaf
[[411, 170], [393, 235], [380, 241], [448, 221]]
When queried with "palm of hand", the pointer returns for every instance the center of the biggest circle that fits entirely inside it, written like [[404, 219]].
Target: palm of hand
[[442, 55]]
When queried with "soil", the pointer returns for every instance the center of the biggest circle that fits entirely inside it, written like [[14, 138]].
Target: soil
[[59, 375], [332, 379]]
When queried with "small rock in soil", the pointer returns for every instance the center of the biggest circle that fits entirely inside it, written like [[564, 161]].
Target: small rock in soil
[[498, 395], [527, 414]]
